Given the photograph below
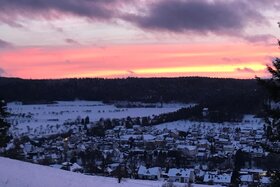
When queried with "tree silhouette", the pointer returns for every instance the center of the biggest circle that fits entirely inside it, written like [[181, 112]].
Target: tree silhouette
[[4, 126], [272, 109], [272, 117]]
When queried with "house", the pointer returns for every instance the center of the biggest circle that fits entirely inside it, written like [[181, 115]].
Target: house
[[254, 171], [246, 179], [205, 112], [228, 148], [265, 181], [189, 150], [149, 173], [112, 167], [201, 156], [204, 143], [76, 168], [181, 175], [216, 178]]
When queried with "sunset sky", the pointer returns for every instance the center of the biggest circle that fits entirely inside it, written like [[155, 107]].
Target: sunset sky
[[137, 38]]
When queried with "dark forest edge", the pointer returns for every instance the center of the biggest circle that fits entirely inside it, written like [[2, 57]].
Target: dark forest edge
[[237, 96]]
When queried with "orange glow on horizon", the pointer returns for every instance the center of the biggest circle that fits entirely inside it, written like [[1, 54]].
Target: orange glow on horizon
[[219, 60], [201, 69]]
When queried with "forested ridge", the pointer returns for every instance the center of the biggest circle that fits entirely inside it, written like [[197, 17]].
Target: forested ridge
[[231, 95]]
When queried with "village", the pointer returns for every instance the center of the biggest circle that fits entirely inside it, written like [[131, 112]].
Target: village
[[182, 151]]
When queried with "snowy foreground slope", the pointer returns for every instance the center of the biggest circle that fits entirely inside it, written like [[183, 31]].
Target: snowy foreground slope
[[15, 173]]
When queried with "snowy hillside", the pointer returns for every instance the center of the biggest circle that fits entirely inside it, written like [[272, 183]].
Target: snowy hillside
[[15, 173]]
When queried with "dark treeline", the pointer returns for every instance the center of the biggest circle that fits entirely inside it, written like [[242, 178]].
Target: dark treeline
[[230, 95]]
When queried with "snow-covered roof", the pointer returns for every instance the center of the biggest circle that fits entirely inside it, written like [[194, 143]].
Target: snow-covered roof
[[75, 167], [265, 180], [126, 137], [201, 154], [252, 170], [57, 166], [217, 178], [149, 171], [188, 147], [246, 178], [174, 172], [148, 137]]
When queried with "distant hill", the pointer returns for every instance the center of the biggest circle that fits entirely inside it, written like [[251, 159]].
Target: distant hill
[[231, 95]]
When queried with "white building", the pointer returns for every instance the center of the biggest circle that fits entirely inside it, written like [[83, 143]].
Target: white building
[[181, 175], [215, 178], [149, 173]]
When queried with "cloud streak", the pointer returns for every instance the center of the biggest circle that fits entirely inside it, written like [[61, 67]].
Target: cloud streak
[[4, 44], [71, 41], [265, 38], [2, 72], [245, 70], [51, 9], [198, 16]]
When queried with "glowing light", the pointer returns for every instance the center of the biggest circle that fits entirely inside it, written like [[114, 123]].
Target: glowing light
[[105, 73], [201, 69]]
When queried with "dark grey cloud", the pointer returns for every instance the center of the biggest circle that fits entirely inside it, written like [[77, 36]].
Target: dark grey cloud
[[71, 41], [130, 72], [178, 16], [264, 38], [92, 9], [198, 16], [4, 44]]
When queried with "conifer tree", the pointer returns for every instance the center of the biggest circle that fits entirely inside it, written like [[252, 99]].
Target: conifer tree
[[272, 116], [4, 126], [272, 85]]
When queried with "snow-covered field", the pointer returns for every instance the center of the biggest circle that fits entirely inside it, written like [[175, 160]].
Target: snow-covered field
[[15, 173], [34, 119], [249, 122]]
